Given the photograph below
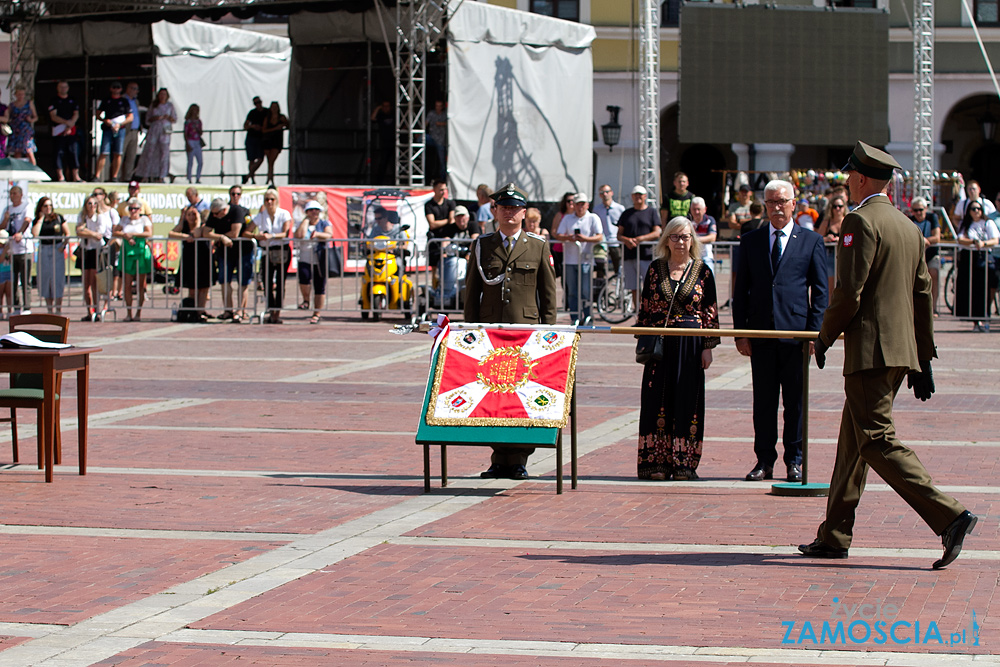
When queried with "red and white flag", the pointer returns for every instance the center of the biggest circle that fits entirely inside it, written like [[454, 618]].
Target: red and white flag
[[503, 377]]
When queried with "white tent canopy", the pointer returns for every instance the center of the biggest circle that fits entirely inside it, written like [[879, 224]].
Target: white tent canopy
[[519, 102], [220, 69], [216, 67]]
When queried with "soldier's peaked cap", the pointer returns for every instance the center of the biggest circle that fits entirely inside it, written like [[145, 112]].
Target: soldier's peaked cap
[[871, 162], [509, 195]]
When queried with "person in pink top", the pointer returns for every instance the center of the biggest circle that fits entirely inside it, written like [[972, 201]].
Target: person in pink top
[[193, 142]]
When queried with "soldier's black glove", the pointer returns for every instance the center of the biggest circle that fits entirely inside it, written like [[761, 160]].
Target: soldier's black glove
[[922, 382], [821, 349]]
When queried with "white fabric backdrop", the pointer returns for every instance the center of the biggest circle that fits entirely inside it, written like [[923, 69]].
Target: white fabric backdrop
[[519, 103], [221, 69]]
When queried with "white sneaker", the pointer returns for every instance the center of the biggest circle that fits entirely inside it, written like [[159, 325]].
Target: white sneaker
[[26, 312]]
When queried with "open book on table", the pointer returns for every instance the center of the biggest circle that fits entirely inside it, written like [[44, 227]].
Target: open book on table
[[26, 340]]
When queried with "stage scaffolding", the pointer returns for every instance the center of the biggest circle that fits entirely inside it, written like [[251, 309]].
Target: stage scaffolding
[[649, 98], [923, 98], [419, 27]]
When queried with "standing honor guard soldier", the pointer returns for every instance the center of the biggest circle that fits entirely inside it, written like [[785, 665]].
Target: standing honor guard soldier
[[882, 304], [510, 280]]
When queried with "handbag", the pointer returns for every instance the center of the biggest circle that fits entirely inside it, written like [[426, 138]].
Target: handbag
[[649, 349], [276, 254], [78, 254]]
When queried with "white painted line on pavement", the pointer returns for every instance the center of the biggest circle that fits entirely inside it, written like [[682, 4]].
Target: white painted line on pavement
[[540, 649], [404, 355]]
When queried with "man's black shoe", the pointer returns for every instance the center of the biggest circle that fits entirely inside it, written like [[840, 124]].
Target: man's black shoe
[[954, 535], [794, 472], [760, 473], [493, 472], [518, 472], [820, 549]]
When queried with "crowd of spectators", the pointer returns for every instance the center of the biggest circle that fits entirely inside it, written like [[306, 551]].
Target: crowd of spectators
[[122, 154]]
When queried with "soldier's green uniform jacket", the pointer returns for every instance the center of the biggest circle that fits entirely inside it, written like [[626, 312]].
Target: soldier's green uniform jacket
[[525, 282], [883, 300]]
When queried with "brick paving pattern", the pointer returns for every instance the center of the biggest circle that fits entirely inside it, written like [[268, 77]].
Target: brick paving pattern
[[171, 655], [284, 456], [603, 597], [49, 579]]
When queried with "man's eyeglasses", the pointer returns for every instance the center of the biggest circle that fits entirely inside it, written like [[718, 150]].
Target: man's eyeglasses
[[236, 194], [777, 202], [679, 238]]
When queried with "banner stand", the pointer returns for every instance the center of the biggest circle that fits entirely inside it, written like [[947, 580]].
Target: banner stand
[[485, 436]]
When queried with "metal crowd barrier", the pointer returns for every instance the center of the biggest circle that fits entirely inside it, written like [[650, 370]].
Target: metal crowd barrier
[[421, 285]]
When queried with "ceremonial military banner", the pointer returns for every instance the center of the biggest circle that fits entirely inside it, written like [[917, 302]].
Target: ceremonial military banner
[[503, 377]]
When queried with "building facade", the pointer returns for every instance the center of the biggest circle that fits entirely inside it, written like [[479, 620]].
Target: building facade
[[966, 105]]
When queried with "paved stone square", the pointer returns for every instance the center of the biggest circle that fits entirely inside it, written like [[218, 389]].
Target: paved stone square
[[255, 496]]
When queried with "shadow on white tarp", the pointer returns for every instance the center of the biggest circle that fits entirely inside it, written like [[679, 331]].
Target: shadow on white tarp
[[520, 102], [221, 69]]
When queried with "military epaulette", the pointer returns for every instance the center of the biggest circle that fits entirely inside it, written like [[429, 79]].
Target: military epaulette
[[535, 236], [486, 235]]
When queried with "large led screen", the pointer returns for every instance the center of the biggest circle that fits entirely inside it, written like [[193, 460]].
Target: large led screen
[[756, 74]]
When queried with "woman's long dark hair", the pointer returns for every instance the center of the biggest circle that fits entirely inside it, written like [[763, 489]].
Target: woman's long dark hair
[[566, 203], [967, 218], [40, 204]]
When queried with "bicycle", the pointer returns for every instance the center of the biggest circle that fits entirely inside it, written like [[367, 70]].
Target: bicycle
[[949, 291], [615, 303]]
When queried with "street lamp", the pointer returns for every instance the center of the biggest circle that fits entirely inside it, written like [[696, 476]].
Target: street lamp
[[988, 124], [611, 131]]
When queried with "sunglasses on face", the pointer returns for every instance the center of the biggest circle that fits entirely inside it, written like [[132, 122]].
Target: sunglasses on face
[[976, 208], [134, 208], [270, 199], [838, 206], [919, 210]]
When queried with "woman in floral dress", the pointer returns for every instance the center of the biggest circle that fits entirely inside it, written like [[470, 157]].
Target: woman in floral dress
[[679, 291], [154, 163]]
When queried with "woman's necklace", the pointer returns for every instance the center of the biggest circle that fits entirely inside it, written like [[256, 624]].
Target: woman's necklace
[[677, 268]]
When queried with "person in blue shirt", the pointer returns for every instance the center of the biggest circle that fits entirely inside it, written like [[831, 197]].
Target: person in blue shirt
[[131, 133], [926, 220]]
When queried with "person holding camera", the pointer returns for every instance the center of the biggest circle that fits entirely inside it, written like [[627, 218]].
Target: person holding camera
[[463, 230], [579, 231]]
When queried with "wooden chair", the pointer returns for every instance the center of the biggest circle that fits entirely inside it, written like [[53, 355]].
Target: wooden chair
[[26, 388]]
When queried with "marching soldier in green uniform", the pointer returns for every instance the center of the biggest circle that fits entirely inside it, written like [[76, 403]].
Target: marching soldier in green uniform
[[882, 304], [510, 279]]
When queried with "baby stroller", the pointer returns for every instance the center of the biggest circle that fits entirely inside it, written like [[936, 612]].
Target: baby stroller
[[105, 281], [163, 274]]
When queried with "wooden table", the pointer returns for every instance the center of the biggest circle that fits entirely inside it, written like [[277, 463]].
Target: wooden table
[[49, 363]]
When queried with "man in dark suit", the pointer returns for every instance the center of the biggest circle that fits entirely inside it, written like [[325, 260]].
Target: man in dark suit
[[510, 279], [882, 305], [782, 286]]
